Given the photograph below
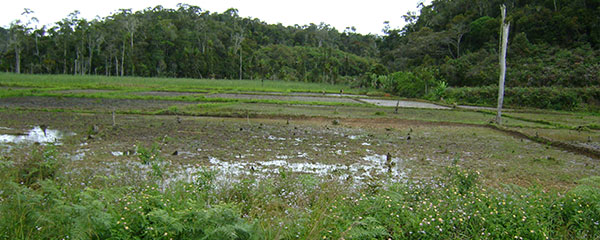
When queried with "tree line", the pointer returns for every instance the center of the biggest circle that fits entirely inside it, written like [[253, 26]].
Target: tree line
[[185, 42], [448, 42]]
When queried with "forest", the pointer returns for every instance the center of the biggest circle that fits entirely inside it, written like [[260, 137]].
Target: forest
[[448, 43]]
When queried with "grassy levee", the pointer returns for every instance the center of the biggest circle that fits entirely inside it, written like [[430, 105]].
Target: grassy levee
[[164, 84]]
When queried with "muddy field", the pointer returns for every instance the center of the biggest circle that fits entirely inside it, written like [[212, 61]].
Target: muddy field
[[355, 150], [87, 104]]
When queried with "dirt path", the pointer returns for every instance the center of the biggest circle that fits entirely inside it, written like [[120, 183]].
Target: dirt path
[[283, 98], [402, 103], [479, 108]]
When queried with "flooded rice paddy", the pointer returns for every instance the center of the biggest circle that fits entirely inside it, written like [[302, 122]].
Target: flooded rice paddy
[[357, 152]]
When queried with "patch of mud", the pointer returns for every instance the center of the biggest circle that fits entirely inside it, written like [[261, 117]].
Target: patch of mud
[[402, 104], [327, 94], [590, 145], [34, 135], [281, 98], [16, 88], [88, 103], [310, 94], [83, 91], [166, 94]]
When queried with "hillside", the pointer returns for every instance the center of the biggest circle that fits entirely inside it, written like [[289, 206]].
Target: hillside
[[552, 43]]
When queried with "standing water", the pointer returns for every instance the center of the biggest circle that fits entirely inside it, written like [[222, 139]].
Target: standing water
[[36, 134]]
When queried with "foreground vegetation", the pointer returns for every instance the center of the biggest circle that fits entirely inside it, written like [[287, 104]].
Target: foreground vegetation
[[38, 202]]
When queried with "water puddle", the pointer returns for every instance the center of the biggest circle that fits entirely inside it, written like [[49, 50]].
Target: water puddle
[[370, 167], [117, 153], [34, 135], [273, 138], [79, 155]]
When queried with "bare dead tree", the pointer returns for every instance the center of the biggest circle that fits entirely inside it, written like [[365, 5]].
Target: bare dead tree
[[503, 46]]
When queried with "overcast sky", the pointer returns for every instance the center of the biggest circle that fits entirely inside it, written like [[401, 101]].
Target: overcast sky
[[367, 16]]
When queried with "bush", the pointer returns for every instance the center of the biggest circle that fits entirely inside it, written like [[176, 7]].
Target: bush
[[41, 164], [544, 98], [413, 84]]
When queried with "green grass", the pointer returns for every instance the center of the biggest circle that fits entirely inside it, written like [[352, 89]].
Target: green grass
[[451, 206], [164, 84], [5, 93], [568, 120]]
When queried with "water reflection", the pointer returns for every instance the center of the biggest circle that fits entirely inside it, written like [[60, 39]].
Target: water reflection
[[34, 135]]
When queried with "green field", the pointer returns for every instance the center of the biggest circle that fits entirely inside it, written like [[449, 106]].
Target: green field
[[66, 82], [136, 158]]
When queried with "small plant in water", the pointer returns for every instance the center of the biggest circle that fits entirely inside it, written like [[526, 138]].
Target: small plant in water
[[151, 157]]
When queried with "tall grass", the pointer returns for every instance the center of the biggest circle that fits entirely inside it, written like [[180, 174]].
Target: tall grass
[[452, 206]]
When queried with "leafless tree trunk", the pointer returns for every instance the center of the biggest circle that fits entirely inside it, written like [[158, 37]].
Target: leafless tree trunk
[[239, 38], [64, 58], [132, 63], [504, 36], [131, 24], [123, 59], [91, 52], [240, 64], [18, 59]]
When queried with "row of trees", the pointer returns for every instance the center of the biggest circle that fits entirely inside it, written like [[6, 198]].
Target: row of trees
[[553, 43], [185, 42]]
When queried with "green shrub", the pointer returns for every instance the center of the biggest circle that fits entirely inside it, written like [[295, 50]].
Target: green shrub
[[543, 98], [42, 164]]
